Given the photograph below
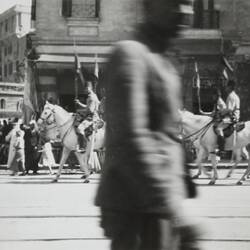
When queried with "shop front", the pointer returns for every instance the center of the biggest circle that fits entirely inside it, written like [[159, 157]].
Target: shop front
[[56, 78]]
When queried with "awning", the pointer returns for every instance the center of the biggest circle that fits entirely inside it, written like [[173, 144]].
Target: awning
[[66, 61], [69, 59]]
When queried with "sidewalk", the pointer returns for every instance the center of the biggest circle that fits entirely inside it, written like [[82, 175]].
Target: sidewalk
[[223, 164]]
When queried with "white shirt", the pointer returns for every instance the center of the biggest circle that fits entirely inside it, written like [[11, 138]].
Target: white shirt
[[221, 104], [233, 103]]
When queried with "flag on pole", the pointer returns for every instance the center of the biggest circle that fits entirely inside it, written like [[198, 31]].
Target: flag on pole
[[197, 81], [78, 69], [77, 64], [225, 74], [227, 68], [30, 102], [96, 73]]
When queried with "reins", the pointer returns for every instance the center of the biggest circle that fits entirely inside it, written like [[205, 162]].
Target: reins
[[199, 132]]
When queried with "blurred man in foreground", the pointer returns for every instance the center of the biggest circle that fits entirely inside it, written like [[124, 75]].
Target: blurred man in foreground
[[142, 187]]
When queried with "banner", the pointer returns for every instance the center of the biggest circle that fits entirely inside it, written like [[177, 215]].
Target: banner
[[197, 81], [227, 68], [30, 103], [96, 73]]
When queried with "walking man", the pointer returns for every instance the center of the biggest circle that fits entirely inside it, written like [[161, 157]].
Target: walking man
[[142, 190]]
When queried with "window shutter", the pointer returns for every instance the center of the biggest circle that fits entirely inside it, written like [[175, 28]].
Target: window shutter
[[66, 8], [97, 8], [198, 13], [33, 10], [211, 14]]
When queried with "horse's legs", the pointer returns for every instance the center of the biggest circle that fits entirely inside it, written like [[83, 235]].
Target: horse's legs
[[214, 161], [237, 154], [247, 172], [199, 159], [65, 155], [83, 161]]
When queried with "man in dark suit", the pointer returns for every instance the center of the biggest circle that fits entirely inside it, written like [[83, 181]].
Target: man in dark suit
[[142, 189]]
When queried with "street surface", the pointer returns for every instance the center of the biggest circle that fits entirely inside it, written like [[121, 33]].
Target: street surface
[[36, 214]]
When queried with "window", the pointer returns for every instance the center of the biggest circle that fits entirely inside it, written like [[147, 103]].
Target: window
[[2, 104], [12, 23], [10, 68], [10, 49], [206, 17], [17, 66], [33, 10], [19, 21], [5, 70], [80, 8], [6, 26]]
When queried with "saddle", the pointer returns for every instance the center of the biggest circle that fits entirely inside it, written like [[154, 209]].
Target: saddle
[[228, 131]]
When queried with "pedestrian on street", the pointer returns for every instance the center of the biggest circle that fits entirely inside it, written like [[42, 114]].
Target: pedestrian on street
[[16, 158], [31, 138], [142, 189], [47, 158]]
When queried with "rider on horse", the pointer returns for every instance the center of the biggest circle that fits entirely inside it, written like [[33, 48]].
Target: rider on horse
[[90, 118], [224, 114], [229, 115]]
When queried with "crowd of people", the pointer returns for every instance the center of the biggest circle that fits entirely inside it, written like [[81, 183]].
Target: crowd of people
[[23, 147]]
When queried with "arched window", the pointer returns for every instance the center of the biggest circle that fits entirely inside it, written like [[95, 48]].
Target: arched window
[[2, 104]]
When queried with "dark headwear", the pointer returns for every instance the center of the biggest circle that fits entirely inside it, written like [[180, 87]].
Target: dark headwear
[[231, 84]]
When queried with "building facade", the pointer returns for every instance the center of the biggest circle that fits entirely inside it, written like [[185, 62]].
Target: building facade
[[15, 24], [89, 28], [11, 99]]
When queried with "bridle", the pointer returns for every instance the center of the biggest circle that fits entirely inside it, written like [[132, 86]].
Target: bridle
[[45, 119], [199, 133]]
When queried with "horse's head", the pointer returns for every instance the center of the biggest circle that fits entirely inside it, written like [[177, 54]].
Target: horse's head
[[48, 114], [186, 116]]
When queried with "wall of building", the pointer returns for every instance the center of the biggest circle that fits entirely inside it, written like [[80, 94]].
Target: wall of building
[[14, 25], [115, 22]]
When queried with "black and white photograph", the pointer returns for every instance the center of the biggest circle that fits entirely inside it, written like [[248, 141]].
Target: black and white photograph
[[124, 124]]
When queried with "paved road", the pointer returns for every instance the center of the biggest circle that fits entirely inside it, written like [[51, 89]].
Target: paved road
[[36, 214]]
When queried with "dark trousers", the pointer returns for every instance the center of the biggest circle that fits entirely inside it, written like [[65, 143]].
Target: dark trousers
[[31, 159], [129, 231]]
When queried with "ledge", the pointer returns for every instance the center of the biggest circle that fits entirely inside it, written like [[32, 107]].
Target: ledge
[[72, 21]]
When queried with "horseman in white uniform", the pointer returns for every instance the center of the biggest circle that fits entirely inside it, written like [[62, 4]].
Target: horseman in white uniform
[[231, 113], [233, 100], [92, 117]]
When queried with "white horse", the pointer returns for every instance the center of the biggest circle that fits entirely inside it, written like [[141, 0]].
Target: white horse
[[201, 128], [64, 123]]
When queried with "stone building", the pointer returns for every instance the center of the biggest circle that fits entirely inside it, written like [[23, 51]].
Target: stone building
[[88, 28], [11, 99], [14, 25], [231, 21]]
